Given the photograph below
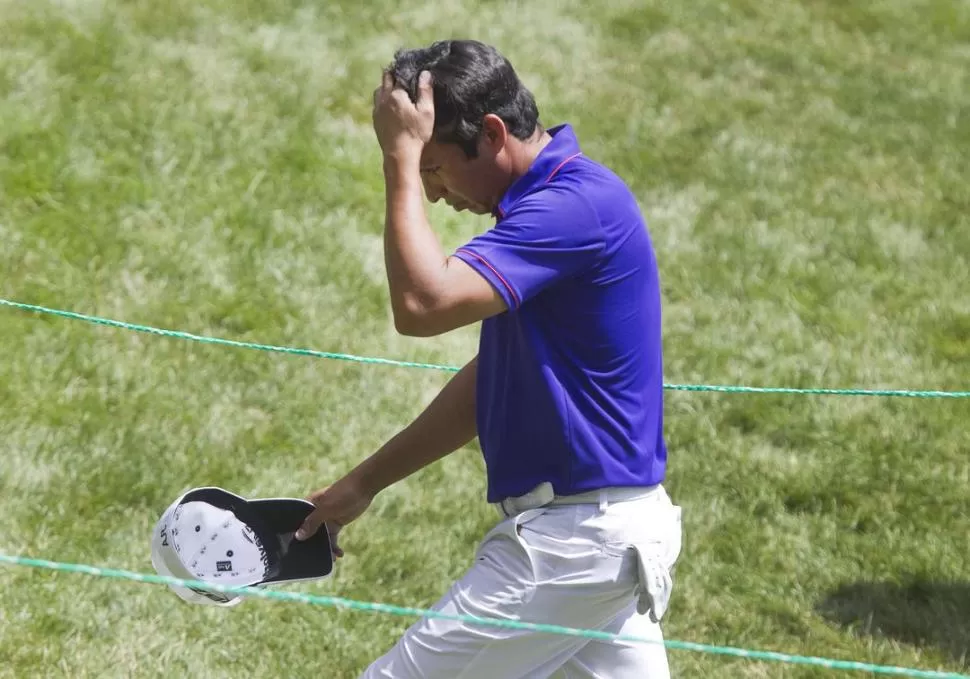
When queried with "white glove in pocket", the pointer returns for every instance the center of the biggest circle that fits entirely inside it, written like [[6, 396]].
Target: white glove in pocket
[[655, 561]]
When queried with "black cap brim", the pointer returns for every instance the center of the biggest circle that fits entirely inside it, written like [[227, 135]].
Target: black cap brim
[[309, 559]]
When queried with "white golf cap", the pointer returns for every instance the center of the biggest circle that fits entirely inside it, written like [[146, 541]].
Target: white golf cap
[[217, 537]]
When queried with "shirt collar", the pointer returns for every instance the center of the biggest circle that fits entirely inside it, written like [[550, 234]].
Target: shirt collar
[[563, 148]]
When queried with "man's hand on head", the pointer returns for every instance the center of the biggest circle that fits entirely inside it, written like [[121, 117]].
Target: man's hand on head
[[402, 126]]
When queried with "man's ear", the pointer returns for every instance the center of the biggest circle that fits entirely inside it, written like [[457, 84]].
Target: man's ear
[[495, 135]]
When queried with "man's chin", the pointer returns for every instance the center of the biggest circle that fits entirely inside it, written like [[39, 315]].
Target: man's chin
[[471, 207]]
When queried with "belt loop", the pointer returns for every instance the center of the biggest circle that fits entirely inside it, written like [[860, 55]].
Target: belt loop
[[603, 501]]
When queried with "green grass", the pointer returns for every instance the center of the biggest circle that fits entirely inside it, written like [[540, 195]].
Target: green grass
[[209, 166]]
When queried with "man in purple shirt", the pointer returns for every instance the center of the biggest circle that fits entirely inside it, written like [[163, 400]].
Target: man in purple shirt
[[565, 393]]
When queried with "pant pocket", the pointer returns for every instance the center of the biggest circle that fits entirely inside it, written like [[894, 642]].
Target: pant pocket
[[510, 529], [502, 577]]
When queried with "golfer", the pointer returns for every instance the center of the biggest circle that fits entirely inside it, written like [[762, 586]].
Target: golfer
[[565, 393]]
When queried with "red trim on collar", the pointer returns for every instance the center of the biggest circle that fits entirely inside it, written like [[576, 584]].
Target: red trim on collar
[[559, 166]]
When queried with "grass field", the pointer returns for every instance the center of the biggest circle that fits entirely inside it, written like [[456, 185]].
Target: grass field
[[209, 165]]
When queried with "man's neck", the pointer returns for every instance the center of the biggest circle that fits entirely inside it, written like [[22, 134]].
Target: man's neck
[[525, 152], [522, 153]]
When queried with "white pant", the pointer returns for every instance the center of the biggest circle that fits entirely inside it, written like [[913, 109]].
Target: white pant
[[569, 565]]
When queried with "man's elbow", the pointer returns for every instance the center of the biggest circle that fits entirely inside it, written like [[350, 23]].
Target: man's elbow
[[412, 326], [416, 318]]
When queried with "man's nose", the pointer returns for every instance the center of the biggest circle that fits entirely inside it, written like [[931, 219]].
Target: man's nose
[[433, 189]]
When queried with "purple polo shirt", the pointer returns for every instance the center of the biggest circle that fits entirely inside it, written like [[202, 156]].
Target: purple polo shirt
[[570, 378]]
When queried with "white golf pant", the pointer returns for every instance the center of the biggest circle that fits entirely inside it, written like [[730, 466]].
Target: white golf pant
[[576, 565]]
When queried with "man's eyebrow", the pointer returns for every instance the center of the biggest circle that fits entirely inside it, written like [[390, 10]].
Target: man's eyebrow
[[429, 168]]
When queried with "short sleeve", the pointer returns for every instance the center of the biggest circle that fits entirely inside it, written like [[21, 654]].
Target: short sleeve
[[546, 236]]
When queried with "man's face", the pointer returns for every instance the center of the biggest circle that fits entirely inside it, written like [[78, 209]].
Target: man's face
[[464, 183]]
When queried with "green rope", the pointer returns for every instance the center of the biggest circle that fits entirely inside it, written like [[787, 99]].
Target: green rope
[[216, 340], [406, 364], [371, 607]]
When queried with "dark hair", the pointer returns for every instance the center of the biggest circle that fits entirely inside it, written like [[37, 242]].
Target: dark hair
[[470, 79]]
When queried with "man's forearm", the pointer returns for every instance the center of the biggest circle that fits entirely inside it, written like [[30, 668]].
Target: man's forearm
[[412, 253], [446, 425]]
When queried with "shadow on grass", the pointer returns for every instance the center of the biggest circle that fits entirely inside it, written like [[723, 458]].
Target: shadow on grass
[[918, 612]]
